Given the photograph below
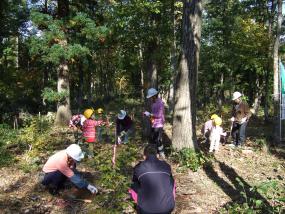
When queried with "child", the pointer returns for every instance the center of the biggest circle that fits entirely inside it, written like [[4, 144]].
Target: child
[[208, 126], [89, 128], [100, 118], [215, 134]]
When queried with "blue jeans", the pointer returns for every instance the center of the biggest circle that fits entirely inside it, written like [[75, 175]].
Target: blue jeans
[[238, 133]]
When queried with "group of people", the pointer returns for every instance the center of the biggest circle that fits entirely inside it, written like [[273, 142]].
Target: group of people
[[153, 187], [213, 132]]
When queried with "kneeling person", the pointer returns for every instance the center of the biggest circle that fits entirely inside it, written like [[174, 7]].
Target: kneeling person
[[153, 186], [61, 166]]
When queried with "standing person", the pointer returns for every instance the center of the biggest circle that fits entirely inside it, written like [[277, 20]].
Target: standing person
[[240, 117], [89, 129], [124, 127], [100, 118], [153, 187], [156, 118], [61, 166], [215, 134], [208, 126]]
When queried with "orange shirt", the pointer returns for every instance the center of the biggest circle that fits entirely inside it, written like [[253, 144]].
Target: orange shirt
[[58, 161]]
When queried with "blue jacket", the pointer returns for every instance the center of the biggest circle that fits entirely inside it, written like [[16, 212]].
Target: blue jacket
[[153, 182]]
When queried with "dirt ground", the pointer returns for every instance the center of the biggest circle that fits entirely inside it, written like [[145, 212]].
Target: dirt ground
[[205, 191]]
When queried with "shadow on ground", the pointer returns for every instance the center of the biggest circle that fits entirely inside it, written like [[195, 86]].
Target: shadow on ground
[[237, 189]]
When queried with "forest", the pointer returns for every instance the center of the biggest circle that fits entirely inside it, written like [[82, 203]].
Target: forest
[[61, 57]]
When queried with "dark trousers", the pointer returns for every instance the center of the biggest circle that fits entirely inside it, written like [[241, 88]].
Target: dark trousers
[[156, 138], [238, 133], [54, 180]]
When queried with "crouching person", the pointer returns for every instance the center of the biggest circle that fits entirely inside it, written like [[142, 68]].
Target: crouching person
[[124, 127], [153, 187], [61, 166]]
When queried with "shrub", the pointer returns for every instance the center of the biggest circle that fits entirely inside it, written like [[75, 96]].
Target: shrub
[[189, 158]]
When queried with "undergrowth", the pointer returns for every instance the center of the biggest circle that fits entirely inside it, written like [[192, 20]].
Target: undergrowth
[[115, 180], [267, 197], [190, 159]]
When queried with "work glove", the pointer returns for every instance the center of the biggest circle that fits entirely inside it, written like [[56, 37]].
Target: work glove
[[123, 133], [146, 113], [233, 119], [92, 189], [243, 120]]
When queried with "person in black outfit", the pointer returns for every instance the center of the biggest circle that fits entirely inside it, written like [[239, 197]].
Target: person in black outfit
[[153, 184]]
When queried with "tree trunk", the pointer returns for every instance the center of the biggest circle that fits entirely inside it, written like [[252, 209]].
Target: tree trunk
[[221, 93], [184, 118], [257, 97], [271, 13], [173, 61], [151, 81], [151, 65], [63, 114], [81, 83], [276, 71], [141, 72]]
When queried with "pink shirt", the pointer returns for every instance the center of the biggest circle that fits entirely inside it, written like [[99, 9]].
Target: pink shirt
[[89, 130], [208, 126], [58, 162], [157, 109]]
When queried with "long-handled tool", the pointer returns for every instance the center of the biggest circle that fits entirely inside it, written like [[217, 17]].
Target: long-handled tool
[[114, 148]]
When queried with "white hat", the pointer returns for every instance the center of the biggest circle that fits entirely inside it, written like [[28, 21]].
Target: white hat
[[75, 152], [236, 95], [151, 92], [122, 114]]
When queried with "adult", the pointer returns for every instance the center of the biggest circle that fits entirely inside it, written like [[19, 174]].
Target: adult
[[153, 187], [156, 118], [240, 117], [124, 127], [62, 166]]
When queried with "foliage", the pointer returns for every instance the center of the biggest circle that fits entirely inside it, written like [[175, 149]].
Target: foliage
[[9, 138], [115, 180], [272, 190], [53, 96], [36, 134], [190, 159]]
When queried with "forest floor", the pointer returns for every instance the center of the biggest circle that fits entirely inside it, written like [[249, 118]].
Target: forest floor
[[233, 175]]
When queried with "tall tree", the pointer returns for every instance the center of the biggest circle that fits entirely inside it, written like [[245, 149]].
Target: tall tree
[[276, 67], [184, 118], [63, 113]]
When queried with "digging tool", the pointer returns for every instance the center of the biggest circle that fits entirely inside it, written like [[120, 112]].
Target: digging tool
[[114, 149]]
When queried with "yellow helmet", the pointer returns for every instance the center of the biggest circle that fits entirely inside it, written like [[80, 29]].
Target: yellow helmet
[[218, 121], [214, 116], [100, 111], [88, 113]]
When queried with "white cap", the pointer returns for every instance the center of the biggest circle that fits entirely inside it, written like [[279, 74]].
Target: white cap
[[122, 114], [236, 95], [75, 152], [151, 92]]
